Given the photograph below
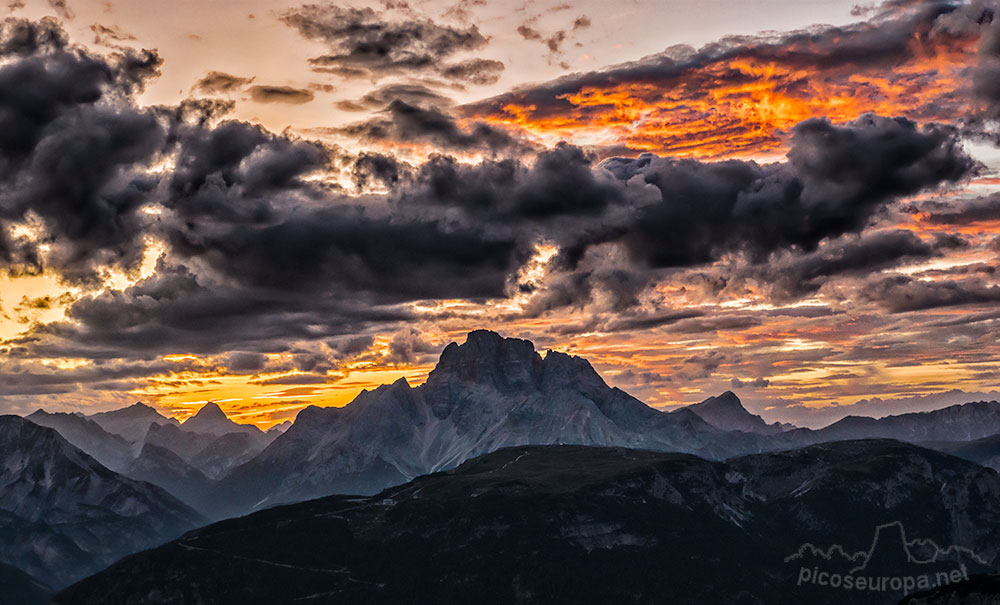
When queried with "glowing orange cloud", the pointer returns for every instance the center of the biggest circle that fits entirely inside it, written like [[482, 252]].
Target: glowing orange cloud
[[741, 104]]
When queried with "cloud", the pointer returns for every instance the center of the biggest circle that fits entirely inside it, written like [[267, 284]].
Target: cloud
[[792, 276], [217, 82], [366, 43], [742, 94], [961, 213], [62, 9], [836, 178], [110, 35], [411, 94], [902, 293], [78, 164], [402, 122], [280, 94]]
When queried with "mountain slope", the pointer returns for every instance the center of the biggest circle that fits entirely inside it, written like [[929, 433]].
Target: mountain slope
[[162, 467], [985, 451], [486, 394], [63, 515], [131, 422], [574, 524]]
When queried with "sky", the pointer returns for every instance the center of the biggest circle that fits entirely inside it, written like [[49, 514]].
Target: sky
[[272, 205]]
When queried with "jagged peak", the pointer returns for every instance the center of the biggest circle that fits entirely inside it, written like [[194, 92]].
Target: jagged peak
[[489, 357], [728, 401], [209, 410]]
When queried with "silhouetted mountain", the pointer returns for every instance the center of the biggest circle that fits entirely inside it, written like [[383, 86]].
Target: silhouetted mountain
[[110, 450], [18, 588], [985, 451], [280, 428], [131, 422], [63, 515], [486, 394], [211, 420], [228, 451], [185, 444], [572, 524], [162, 467], [965, 422], [726, 412]]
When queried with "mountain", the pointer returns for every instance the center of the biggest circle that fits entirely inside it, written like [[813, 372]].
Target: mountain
[[211, 420], [64, 516], [486, 394], [185, 444], [164, 468], [18, 588], [280, 428], [228, 451], [966, 422], [574, 524], [131, 422], [726, 412], [110, 450]]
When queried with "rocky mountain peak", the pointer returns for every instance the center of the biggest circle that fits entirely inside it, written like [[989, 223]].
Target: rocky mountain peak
[[488, 358], [726, 401], [211, 419], [210, 410], [726, 412]]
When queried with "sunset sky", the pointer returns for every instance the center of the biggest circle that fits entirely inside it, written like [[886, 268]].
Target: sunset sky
[[273, 205]]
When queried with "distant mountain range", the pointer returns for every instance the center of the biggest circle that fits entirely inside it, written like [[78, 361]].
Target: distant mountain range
[[572, 524], [484, 395], [63, 515], [488, 393]]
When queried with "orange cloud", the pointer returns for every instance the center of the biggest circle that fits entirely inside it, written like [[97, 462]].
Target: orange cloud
[[743, 100]]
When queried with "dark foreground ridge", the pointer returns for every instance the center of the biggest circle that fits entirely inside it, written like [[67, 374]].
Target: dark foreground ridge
[[576, 524]]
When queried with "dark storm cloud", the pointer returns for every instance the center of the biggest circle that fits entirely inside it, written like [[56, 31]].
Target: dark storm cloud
[[379, 169], [280, 94], [352, 250], [560, 184], [69, 156], [23, 37], [366, 43], [176, 310], [217, 82], [901, 293], [835, 180], [965, 212], [792, 276], [614, 290], [405, 123]]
